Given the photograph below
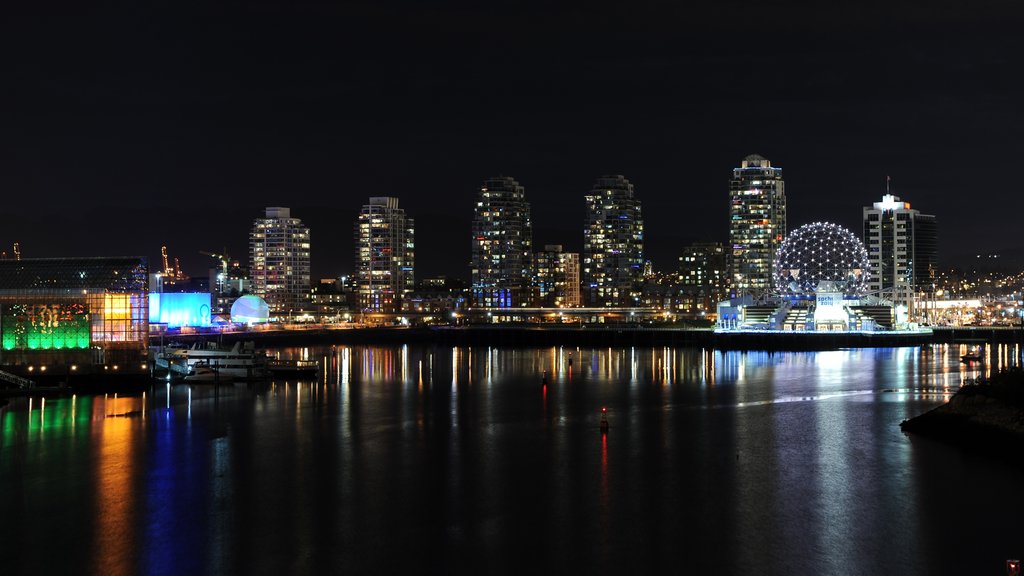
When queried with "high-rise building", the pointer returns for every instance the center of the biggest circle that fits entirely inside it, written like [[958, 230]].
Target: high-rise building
[[279, 262], [702, 274], [502, 266], [613, 244], [902, 249], [558, 277], [385, 245], [757, 224]]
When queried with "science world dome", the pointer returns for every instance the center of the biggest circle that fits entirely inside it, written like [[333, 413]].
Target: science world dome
[[821, 252]]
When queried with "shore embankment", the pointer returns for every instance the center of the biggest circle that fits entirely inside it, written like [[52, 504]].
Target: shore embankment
[[601, 335], [986, 414]]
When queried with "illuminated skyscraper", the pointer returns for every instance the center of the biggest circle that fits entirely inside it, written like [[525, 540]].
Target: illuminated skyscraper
[[757, 224], [558, 277], [613, 244], [902, 249], [385, 250], [279, 261], [502, 265]]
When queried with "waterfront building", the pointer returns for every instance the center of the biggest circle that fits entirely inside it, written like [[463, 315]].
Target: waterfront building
[[279, 262], [502, 254], [613, 244], [902, 249], [557, 277], [702, 277], [74, 316], [757, 224], [385, 253]]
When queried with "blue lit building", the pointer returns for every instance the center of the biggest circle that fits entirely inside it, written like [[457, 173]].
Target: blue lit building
[[177, 309]]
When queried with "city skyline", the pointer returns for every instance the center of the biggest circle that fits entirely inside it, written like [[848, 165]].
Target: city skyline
[[554, 228], [324, 105]]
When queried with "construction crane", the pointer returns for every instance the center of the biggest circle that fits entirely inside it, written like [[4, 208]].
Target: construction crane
[[167, 265], [17, 251], [224, 262]]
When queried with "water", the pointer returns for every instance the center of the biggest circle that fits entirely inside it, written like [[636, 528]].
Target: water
[[442, 460]]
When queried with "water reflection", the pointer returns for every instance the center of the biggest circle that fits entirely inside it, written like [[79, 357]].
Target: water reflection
[[716, 462]]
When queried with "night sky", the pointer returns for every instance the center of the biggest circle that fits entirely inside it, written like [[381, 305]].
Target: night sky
[[138, 124]]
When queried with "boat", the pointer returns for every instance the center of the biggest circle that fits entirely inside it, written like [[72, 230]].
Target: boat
[[294, 367], [973, 356], [240, 361], [203, 373]]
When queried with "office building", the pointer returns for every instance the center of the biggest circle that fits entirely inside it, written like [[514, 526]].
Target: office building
[[757, 225], [613, 244], [902, 249], [279, 262], [502, 253], [385, 252]]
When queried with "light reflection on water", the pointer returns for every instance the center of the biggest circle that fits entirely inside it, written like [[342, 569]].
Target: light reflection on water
[[484, 458]]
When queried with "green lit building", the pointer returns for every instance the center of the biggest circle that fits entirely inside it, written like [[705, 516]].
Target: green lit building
[[74, 316]]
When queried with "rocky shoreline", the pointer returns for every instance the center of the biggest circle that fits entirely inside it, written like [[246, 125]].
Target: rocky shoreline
[[986, 415]]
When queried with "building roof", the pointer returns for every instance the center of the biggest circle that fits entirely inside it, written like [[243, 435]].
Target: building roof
[[110, 274]]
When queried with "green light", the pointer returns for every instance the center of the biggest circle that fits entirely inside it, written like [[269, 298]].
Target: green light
[[45, 327]]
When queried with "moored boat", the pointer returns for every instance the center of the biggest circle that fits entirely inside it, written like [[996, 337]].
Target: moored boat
[[297, 367]]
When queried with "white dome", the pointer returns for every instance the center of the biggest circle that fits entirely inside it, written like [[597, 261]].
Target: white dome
[[821, 252], [250, 309]]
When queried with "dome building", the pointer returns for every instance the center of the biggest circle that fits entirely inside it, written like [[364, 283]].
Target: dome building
[[821, 256]]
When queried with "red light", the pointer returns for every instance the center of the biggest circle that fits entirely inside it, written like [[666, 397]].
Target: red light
[[603, 410]]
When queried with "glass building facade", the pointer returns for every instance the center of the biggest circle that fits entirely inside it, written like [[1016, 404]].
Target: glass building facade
[[74, 315], [902, 249]]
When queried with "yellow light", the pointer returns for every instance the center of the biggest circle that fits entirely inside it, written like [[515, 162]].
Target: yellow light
[[115, 366], [30, 368], [74, 367], [116, 307], [42, 368]]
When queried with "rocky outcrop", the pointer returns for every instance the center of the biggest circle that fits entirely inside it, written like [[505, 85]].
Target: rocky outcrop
[[986, 414]]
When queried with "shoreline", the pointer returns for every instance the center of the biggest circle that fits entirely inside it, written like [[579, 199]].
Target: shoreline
[[986, 416], [575, 336]]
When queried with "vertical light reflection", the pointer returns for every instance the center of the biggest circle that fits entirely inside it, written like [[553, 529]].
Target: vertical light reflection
[[404, 362], [114, 461], [453, 396], [455, 368], [632, 365], [346, 366]]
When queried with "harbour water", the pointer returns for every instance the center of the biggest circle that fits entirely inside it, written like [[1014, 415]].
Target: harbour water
[[420, 459]]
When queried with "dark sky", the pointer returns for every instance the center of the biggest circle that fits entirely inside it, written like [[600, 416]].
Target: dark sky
[[134, 124]]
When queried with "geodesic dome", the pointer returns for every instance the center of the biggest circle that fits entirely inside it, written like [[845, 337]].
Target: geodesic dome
[[821, 252]]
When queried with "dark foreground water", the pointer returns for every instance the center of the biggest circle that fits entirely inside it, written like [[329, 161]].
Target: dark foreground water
[[438, 460]]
